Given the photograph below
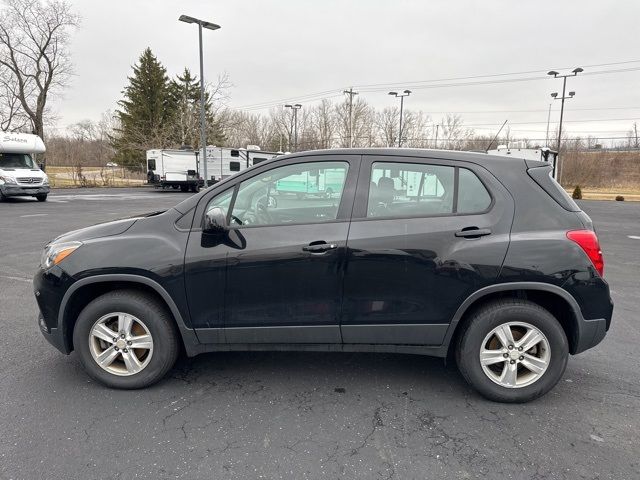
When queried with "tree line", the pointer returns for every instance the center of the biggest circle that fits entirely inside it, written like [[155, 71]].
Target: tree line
[[162, 111]]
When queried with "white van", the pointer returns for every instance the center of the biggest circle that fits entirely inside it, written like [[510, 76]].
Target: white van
[[20, 175]]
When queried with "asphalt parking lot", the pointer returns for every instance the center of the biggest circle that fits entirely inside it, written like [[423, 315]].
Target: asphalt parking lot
[[303, 415]]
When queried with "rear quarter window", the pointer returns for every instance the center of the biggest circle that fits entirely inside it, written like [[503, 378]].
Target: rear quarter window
[[542, 176]]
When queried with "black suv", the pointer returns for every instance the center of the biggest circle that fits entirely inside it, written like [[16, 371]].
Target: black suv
[[482, 258]]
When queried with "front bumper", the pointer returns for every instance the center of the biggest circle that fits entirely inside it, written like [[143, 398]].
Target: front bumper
[[11, 190], [49, 287]]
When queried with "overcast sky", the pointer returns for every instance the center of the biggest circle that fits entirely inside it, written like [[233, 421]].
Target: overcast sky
[[274, 50]]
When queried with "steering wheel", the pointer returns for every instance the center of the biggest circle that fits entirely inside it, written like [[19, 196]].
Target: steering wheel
[[261, 209]]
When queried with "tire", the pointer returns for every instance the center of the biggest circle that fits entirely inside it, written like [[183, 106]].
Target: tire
[[149, 317], [42, 197], [548, 357], [184, 188]]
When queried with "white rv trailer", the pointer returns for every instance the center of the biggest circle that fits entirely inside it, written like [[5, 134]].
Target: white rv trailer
[[544, 154], [222, 162], [20, 175], [173, 169], [183, 169]]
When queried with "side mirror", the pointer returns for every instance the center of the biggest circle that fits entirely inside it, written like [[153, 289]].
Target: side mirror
[[215, 221]]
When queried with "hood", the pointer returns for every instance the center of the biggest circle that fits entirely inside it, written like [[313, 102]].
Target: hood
[[107, 229]]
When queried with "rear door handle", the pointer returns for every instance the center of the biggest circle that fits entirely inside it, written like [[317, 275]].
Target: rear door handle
[[319, 247], [473, 232]]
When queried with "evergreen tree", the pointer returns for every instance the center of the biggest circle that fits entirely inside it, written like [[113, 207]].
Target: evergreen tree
[[146, 113], [185, 94]]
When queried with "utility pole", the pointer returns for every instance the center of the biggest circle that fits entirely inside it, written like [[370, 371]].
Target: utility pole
[[436, 142], [546, 138], [295, 109], [203, 127], [406, 93], [635, 128], [558, 173], [351, 93]]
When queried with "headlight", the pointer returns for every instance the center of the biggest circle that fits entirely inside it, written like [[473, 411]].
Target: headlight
[[6, 179], [56, 252], [46, 180]]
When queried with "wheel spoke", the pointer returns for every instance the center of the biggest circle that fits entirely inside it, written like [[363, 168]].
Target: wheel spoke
[[535, 364], [107, 357], [489, 357], [124, 323], [141, 341], [509, 374], [505, 335], [103, 332], [529, 340], [131, 362]]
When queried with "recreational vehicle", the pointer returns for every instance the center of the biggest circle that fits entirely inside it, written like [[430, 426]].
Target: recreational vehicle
[[20, 175]]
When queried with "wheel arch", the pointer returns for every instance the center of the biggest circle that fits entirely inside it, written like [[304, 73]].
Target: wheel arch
[[85, 290], [560, 303]]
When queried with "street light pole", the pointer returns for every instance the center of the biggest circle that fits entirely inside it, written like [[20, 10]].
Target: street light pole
[[203, 125], [406, 93], [557, 172], [295, 109]]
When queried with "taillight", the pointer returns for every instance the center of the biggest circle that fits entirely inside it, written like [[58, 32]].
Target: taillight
[[588, 241]]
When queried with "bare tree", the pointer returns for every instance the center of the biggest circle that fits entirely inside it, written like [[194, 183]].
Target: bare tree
[[34, 37]]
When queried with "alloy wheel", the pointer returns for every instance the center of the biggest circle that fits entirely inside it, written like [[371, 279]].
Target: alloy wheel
[[515, 354], [121, 344]]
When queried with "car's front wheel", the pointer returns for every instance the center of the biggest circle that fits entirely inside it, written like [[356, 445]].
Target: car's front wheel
[[512, 351], [42, 197], [126, 339]]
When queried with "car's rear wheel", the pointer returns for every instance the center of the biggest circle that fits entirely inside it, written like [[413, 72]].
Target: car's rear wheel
[[512, 351], [126, 339]]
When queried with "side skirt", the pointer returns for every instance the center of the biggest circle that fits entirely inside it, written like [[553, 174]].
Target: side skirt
[[436, 351]]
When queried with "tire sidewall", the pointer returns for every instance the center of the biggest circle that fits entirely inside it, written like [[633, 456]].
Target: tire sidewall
[[487, 320], [155, 319]]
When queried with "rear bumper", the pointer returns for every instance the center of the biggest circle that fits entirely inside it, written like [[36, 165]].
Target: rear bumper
[[22, 190]]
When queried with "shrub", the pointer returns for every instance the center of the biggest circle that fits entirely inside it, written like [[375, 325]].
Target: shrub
[[577, 193], [619, 198]]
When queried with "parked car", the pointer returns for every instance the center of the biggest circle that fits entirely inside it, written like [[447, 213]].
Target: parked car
[[112, 164], [481, 258]]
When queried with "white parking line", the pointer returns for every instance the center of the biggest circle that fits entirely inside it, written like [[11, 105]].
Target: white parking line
[[34, 215], [634, 237]]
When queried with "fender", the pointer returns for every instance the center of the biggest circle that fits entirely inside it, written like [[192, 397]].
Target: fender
[[189, 337], [580, 322]]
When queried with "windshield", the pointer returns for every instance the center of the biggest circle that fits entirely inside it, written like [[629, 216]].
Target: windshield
[[16, 160]]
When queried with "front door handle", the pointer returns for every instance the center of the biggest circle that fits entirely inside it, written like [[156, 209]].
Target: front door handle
[[318, 247], [473, 232]]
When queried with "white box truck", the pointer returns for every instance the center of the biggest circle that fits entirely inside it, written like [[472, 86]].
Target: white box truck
[[20, 175]]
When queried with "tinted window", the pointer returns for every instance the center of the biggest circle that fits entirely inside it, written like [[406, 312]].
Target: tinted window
[[234, 166], [408, 189], [472, 194], [257, 160], [151, 163], [301, 193]]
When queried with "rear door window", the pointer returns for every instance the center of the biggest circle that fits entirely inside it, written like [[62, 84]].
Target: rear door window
[[420, 190]]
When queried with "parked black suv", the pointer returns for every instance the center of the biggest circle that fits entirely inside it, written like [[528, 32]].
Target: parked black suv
[[427, 252]]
